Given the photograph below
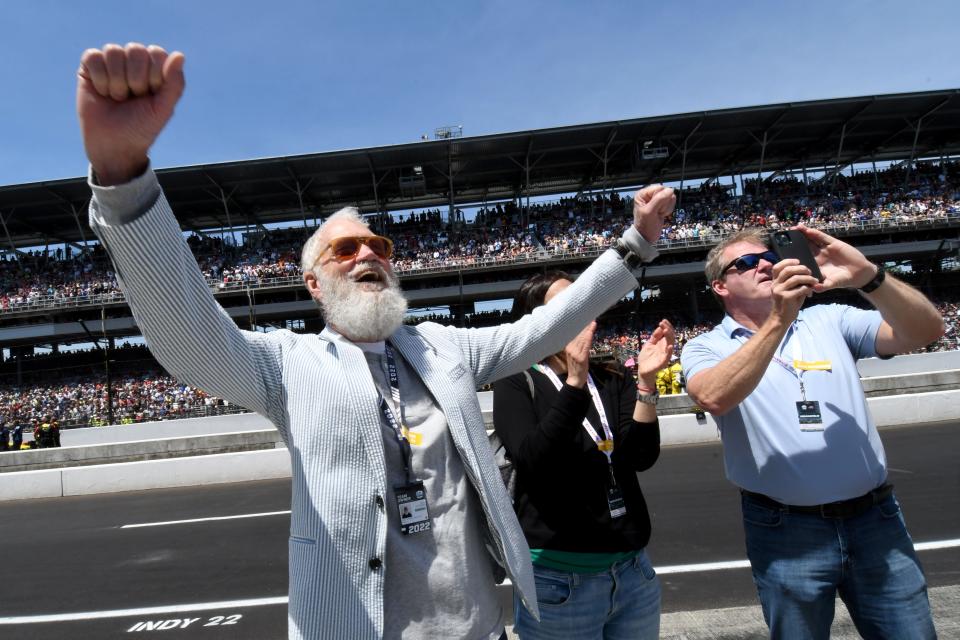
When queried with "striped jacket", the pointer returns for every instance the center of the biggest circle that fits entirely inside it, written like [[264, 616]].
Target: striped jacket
[[321, 396]]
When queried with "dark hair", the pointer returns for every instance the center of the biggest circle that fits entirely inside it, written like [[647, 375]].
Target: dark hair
[[533, 291]]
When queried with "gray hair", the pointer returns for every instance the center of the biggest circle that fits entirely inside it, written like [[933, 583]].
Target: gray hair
[[311, 248]]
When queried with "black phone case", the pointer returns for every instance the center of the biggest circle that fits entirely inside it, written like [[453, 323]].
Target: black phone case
[[793, 244]]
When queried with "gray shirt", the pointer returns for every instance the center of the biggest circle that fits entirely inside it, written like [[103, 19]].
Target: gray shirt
[[438, 583]]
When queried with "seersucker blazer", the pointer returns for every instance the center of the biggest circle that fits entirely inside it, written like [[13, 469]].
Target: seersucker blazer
[[318, 391]]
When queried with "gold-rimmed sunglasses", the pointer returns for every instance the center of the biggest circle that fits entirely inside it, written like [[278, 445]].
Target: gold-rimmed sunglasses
[[347, 247]]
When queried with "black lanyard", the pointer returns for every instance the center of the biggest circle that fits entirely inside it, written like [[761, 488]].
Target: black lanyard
[[398, 427]]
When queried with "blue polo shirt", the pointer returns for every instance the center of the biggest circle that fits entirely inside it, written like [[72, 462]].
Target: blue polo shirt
[[766, 449]]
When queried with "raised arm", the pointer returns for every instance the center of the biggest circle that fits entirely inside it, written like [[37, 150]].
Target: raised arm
[[910, 320], [125, 96], [497, 352]]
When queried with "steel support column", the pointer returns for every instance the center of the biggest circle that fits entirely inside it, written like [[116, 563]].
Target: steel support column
[[836, 165], [226, 210], [252, 308], [683, 161], [303, 211], [683, 173], [376, 192], [76, 217], [763, 155], [299, 189], [106, 364], [526, 182], [6, 231], [450, 199], [913, 152], [743, 194]]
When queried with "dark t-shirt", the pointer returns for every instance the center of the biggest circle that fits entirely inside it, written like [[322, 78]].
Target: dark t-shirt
[[561, 476]]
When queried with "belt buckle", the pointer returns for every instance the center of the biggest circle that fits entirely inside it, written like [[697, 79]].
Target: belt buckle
[[827, 510], [843, 509]]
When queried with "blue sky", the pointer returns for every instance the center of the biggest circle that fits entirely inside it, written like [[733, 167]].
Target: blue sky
[[289, 77]]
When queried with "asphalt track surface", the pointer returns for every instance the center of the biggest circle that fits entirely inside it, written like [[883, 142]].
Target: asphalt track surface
[[71, 569]]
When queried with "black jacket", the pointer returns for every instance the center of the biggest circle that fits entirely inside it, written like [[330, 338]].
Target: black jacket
[[561, 476]]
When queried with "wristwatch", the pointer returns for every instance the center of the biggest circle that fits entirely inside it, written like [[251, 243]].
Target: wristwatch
[[631, 259], [648, 398], [876, 281]]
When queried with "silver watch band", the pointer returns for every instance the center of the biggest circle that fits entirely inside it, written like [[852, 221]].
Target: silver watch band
[[648, 398]]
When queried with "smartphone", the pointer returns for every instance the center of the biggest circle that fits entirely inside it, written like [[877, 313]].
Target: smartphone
[[793, 244]]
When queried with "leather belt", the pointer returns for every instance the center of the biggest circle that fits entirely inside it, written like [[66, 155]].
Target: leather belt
[[840, 510]]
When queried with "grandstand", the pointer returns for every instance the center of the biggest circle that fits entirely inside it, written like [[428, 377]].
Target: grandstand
[[878, 171]]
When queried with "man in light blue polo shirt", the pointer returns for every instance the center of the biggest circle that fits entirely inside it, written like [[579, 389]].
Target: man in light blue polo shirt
[[798, 437]]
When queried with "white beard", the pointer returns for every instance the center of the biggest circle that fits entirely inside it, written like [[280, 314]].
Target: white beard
[[362, 316]]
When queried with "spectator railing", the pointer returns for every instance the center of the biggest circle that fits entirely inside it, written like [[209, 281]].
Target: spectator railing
[[205, 411], [146, 398], [945, 219]]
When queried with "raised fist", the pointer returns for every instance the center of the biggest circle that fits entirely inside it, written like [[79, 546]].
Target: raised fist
[[125, 96]]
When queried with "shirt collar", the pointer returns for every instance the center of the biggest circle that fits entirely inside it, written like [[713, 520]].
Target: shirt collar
[[369, 347], [732, 328]]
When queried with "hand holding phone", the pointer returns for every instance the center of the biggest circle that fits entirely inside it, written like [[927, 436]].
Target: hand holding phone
[[793, 244]]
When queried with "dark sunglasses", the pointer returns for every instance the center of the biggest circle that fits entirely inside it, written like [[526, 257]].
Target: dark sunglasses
[[347, 247], [750, 261]]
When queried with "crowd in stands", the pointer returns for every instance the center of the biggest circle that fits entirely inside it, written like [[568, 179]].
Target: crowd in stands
[[148, 393], [82, 401], [506, 232], [55, 277], [838, 203], [71, 388], [76, 393], [263, 257], [470, 320]]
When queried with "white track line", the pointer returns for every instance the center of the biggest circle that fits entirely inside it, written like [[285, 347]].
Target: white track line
[[744, 564], [146, 611], [706, 566], [939, 544], [245, 515], [259, 602]]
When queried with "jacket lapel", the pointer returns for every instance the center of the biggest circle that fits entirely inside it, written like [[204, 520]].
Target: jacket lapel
[[439, 376], [356, 377]]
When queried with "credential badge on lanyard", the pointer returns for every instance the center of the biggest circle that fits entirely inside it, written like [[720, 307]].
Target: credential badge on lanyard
[[808, 410], [614, 496], [412, 495]]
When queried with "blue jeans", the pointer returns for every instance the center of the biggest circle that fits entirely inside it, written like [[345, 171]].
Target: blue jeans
[[802, 561], [623, 602]]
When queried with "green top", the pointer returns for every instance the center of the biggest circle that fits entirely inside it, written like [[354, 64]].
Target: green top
[[578, 562]]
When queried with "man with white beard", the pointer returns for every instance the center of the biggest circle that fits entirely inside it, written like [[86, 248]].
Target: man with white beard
[[400, 524], [367, 304]]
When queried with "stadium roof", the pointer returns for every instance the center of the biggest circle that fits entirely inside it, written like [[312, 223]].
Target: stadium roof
[[606, 155]]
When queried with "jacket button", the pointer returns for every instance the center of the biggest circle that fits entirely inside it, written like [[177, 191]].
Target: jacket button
[[379, 501], [375, 563]]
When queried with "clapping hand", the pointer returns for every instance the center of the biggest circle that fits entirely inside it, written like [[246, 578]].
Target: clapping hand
[[577, 355], [655, 353]]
